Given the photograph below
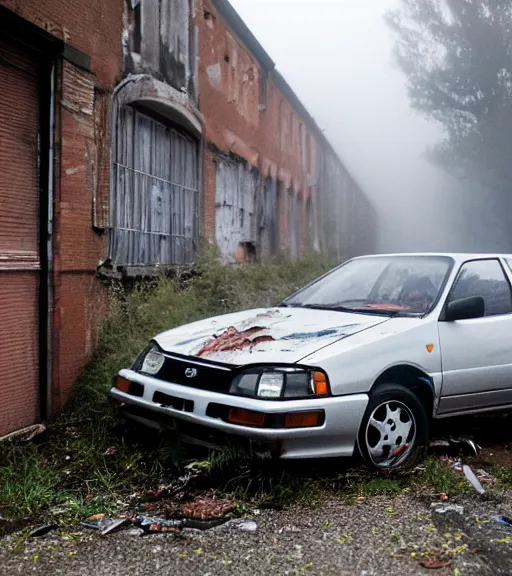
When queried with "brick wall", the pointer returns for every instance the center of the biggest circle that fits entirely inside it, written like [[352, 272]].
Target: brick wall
[[82, 145], [229, 99]]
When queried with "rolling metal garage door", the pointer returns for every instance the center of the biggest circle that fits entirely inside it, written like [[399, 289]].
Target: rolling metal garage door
[[19, 239]]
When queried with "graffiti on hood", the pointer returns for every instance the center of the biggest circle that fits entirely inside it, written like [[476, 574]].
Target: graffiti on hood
[[232, 339]]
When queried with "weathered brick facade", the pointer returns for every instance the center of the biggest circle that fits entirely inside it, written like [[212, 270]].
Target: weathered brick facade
[[245, 156]]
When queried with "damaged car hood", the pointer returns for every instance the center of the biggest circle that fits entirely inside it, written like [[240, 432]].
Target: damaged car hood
[[284, 335]]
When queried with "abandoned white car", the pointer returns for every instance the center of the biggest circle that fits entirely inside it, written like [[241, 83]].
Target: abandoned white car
[[361, 359]]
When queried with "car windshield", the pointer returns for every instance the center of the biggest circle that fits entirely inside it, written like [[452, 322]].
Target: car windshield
[[406, 285]]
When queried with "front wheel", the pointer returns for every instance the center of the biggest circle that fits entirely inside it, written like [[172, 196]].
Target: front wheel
[[394, 431]]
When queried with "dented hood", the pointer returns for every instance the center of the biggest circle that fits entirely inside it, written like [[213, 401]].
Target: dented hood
[[265, 335]]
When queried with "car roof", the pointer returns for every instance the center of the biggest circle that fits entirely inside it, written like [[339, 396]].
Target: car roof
[[457, 256]]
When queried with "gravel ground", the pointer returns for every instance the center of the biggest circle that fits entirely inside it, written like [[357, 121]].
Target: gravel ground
[[378, 536]]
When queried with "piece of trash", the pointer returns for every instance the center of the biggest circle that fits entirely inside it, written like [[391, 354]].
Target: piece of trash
[[443, 497], [248, 526], [504, 520], [155, 525], [110, 451], [103, 524], [42, 530], [115, 525], [25, 434], [450, 508], [456, 445], [472, 479]]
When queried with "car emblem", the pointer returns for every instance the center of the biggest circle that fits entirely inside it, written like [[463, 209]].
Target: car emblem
[[190, 372]]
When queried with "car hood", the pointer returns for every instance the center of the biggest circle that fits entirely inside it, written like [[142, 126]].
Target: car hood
[[264, 335]]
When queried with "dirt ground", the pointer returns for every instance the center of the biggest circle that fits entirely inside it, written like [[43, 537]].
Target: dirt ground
[[376, 536]]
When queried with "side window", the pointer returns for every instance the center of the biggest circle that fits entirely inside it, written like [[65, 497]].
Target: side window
[[485, 278]]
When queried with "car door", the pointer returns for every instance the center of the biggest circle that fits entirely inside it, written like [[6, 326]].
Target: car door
[[477, 354]]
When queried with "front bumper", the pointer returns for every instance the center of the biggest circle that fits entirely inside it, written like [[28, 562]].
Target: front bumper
[[336, 437]]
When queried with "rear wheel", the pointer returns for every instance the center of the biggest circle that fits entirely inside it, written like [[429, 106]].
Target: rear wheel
[[395, 428]]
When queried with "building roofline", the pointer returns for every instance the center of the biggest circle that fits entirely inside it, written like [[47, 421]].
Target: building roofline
[[241, 29]]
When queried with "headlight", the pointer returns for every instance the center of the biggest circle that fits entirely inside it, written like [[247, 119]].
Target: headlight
[[280, 383], [151, 360]]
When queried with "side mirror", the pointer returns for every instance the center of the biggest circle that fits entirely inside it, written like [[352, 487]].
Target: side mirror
[[465, 309]]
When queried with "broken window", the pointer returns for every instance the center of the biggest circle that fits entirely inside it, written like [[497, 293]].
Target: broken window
[[155, 193]]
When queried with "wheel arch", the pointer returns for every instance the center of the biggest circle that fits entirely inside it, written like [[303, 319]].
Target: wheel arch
[[413, 378]]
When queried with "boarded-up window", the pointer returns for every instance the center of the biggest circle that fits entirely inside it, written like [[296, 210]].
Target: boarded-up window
[[235, 207], [155, 196]]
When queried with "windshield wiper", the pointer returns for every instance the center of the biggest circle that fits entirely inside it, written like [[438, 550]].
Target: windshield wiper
[[379, 311]]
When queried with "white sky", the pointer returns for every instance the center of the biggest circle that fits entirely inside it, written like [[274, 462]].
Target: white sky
[[337, 55]]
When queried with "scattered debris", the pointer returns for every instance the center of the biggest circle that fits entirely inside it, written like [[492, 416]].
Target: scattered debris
[[482, 476], [110, 451], [472, 479], [25, 434], [43, 530], [449, 508], [504, 520], [443, 497], [207, 508]]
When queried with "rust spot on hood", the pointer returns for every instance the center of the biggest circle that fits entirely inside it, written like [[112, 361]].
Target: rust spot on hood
[[232, 339]]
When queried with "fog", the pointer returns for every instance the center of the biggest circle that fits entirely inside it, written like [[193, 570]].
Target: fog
[[337, 55]]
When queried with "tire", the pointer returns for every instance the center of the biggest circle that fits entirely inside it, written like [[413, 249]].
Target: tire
[[394, 431]]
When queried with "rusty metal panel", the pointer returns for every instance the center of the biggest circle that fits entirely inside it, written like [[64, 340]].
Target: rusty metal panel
[[19, 350], [235, 219], [156, 193], [19, 239]]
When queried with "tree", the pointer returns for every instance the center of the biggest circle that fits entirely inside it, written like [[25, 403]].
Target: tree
[[457, 57]]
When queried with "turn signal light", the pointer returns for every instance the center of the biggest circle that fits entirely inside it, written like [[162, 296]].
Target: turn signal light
[[123, 384], [320, 384], [302, 420], [246, 417]]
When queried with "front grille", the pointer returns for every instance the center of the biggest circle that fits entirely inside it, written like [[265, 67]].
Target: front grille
[[203, 377]]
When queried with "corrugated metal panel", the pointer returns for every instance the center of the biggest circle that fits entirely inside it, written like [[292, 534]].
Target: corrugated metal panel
[[156, 193], [19, 239], [235, 206]]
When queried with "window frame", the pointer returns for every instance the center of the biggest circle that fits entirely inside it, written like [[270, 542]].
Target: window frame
[[442, 317]]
